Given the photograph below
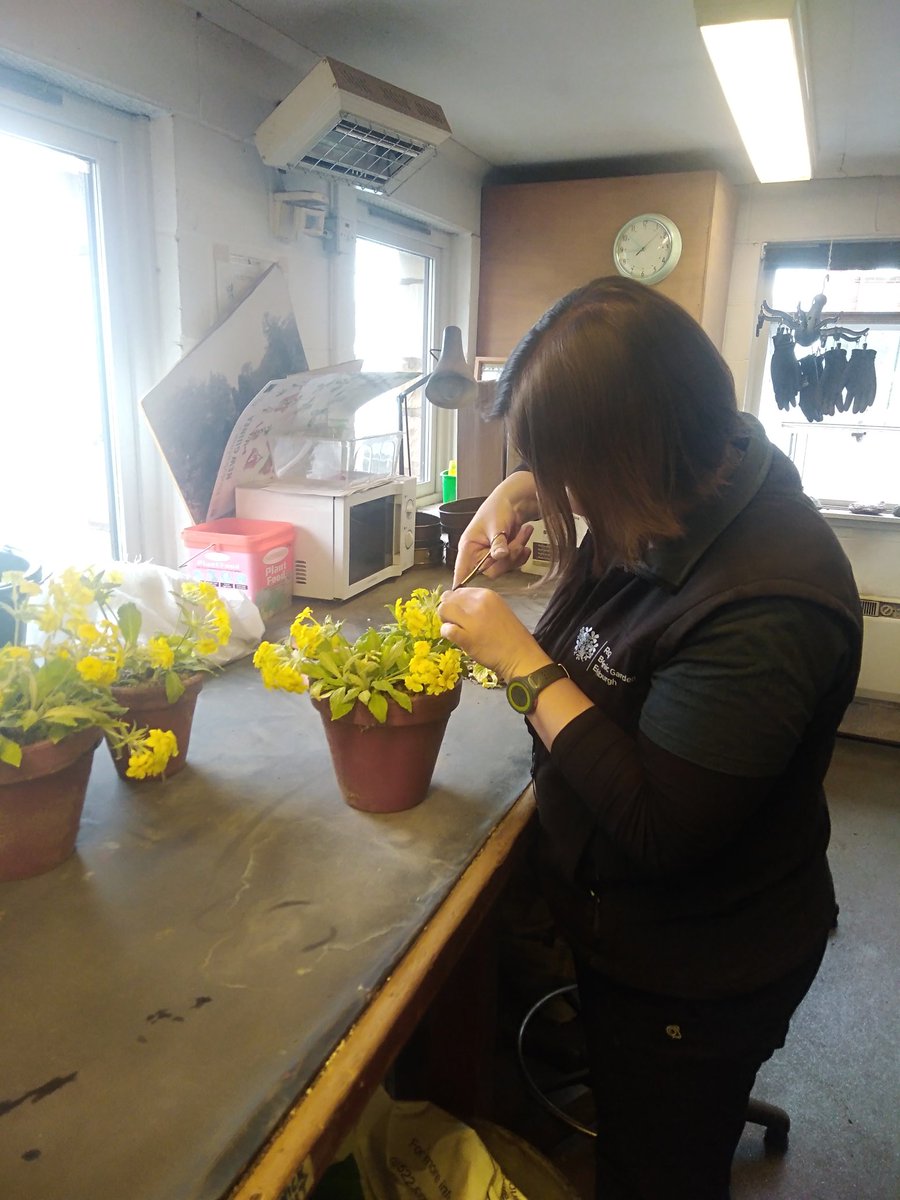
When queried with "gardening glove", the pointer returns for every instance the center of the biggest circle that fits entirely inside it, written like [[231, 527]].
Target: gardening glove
[[860, 385], [831, 385], [810, 390], [785, 371]]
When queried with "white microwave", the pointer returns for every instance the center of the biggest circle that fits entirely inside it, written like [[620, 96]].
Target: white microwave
[[344, 541]]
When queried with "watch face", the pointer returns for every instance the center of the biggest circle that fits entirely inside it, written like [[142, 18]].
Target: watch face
[[647, 248], [519, 696]]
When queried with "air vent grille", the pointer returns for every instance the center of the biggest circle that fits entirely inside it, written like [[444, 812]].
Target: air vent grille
[[300, 570], [364, 153]]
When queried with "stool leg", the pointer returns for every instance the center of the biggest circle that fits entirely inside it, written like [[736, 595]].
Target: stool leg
[[775, 1121]]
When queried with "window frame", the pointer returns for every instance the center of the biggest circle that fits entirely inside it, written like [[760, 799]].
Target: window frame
[[798, 432], [417, 238], [117, 144]]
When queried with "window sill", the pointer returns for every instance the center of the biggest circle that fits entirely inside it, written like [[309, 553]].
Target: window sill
[[841, 516]]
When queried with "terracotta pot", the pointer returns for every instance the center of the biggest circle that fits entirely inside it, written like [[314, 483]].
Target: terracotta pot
[[41, 803], [388, 768], [147, 706]]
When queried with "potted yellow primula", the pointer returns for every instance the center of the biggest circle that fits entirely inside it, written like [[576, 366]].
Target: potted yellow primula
[[56, 703], [156, 677], [385, 697]]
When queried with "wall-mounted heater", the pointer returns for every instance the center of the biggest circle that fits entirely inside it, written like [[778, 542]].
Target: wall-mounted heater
[[879, 676], [348, 125]]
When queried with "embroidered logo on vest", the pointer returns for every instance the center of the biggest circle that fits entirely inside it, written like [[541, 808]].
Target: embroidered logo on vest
[[598, 656]]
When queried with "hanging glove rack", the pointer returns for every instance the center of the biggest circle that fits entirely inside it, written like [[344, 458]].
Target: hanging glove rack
[[821, 384]]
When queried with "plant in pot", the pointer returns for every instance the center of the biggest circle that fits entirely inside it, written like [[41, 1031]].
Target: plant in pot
[[56, 703], [384, 698], [157, 677]]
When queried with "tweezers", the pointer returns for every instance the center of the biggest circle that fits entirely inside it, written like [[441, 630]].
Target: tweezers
[[474, 571]]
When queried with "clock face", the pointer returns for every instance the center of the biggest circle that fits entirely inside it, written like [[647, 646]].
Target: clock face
[[647, 248]]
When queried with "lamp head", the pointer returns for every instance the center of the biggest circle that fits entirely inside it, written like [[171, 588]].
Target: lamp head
[[452, 383]]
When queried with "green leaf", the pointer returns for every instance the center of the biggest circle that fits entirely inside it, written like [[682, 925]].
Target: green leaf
[[340, 708], [10, 751], [329, 662], [378, 706], [402, 698], [51, 675], [71, 714], [174, 686], [129, 619]]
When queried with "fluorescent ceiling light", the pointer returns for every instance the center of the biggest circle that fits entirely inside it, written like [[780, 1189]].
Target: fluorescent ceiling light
[[756, 51]]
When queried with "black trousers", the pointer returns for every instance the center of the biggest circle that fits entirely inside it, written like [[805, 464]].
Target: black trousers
[[671, 1079]]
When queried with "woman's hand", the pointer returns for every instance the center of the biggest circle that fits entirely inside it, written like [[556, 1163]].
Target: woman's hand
[[484, 625], [500, 525]]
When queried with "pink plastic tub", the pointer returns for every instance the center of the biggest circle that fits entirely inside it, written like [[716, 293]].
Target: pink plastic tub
[[251, 556]]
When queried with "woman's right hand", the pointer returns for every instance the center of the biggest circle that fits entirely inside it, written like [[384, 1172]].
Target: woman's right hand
[[500, 525]]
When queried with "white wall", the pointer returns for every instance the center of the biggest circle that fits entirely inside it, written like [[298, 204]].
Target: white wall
[[204, 91], [816, 211]]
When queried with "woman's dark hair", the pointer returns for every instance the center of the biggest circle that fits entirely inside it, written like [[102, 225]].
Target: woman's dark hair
[[617, 396]]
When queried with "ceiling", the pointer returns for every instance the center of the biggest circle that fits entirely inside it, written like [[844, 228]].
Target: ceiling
[[605, 87]]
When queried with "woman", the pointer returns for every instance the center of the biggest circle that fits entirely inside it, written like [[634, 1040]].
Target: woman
[[693, 665]]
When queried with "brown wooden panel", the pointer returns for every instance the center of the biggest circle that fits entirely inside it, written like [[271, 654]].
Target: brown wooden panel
[[540, 240]]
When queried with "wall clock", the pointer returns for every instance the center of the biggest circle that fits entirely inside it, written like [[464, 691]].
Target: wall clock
[[647, 248]]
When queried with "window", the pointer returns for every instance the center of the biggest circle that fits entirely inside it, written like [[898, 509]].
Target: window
[[398, 299], [847, 457], [69, 488]]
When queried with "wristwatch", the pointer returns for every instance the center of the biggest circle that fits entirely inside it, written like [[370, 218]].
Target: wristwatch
[[522, 691]]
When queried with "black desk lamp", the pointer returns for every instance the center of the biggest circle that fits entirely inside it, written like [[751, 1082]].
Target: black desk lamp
[[450, 385]]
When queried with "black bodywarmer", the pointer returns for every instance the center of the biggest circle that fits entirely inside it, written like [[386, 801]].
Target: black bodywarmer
[[754, 909]]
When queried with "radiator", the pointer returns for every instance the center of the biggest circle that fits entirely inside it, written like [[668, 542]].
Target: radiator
[[879, 677], [539, 563]]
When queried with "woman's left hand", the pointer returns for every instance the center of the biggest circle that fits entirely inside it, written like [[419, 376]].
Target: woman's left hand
[[484, 625]]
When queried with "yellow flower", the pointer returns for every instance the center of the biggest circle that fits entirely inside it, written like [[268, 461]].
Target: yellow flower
[[153, 754], [221, 622], [275, 672], [207, 645], [49, 620], [96, 670], [88, 633], [306, 637], [434, 676], [418, 616], [21, 652], [199, 590], [160, 653], [76, 590]]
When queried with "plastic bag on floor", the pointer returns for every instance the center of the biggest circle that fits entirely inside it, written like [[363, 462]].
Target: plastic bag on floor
[[412, 1148]]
